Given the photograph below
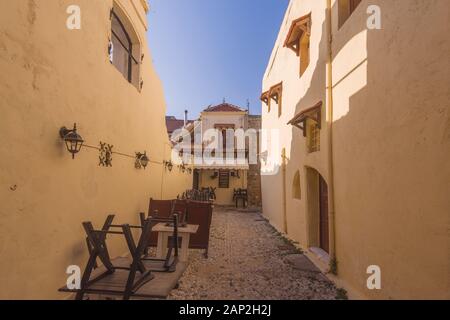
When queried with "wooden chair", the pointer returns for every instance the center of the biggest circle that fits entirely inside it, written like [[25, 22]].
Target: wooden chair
[[241, 194], [158, 209], [98, 249], [200, 213], [179, 207]]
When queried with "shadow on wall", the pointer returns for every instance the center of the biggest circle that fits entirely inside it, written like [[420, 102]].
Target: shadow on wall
[[390, 149]]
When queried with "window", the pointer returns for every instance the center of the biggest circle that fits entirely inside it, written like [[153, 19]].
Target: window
[[124, 48], [313, 136], [346, 8], [296, 189], [310, 122], [224, 179], [304, 53], [298, 40]]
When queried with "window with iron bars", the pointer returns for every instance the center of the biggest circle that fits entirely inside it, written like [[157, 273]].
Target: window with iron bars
[[313, 137]]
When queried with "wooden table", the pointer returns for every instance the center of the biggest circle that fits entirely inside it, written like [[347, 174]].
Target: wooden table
[[165, 231]]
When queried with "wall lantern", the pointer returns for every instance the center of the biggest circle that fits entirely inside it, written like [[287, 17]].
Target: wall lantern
[[73, 140], [141, 160], [168, 165]]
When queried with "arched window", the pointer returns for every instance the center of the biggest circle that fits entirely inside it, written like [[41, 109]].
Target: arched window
[[124, 48], [296, 188]]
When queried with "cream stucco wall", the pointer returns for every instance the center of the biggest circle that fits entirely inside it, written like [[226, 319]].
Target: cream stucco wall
[[208, 122], [53, 77], [391, 139], [299, 93], [224, 195], [210, 119]]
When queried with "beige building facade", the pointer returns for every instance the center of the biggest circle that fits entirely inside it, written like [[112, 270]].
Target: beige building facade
[[223, 177], [364, 126], [100, 77]]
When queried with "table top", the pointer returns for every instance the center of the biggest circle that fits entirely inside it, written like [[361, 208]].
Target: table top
[[163, 227]]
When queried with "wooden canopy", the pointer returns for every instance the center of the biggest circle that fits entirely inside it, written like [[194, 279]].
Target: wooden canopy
[[314, 113], [298, 28], [265, 98], [274, 93]]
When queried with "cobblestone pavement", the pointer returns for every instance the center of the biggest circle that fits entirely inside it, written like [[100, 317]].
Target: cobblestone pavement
[[248, 260]]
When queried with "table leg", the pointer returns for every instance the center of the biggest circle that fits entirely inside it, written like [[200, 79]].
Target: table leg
[[159, 247], [184, 252]]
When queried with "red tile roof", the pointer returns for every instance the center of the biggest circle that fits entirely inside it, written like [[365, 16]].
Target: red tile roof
[[173, 123], [224, 107]]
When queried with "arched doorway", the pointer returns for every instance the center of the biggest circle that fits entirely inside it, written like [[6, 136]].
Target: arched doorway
[[317, 208]]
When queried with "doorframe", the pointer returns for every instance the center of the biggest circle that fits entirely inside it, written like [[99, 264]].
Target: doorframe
[[312, 176]]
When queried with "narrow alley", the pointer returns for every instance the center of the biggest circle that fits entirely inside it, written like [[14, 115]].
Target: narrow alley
[[248, 259]]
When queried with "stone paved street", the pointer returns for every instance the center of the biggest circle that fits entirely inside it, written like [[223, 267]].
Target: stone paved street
[[249, 260]]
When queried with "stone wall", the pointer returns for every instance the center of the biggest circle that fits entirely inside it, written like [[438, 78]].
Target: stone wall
[[254, 173]]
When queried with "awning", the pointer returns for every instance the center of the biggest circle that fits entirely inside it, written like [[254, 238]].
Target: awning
[[296, 31], [221, 166], [265, 98], [276, 92], [313, 113]]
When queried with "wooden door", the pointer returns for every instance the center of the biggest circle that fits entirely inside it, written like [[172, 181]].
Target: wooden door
[[323, 224]]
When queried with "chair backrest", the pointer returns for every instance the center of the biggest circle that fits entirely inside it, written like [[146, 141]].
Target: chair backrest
[[163, 207], [200, 213], [180, 207]]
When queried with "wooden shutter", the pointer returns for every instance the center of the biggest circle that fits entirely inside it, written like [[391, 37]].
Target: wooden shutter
[[224, 179]]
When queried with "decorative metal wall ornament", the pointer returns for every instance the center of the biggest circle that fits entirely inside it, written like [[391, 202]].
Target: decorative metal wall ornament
[[105, 156], [182, 167], [73, 140], [215, 175], [236, 174], [168, 165], [189, 170], [141, 160]]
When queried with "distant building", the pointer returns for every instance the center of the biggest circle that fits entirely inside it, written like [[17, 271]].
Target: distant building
[[172, 123], [225, 177]]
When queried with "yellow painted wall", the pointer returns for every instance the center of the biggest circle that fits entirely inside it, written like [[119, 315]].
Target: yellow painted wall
[[392, 178], [299, 93], [53, 77], [391, 141], [224, 196]]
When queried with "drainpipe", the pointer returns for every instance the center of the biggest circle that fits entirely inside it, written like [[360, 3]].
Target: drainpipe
[[331, 212], [283, 166]]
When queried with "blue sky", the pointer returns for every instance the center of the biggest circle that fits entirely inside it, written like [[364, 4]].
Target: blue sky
[[208, 50]]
